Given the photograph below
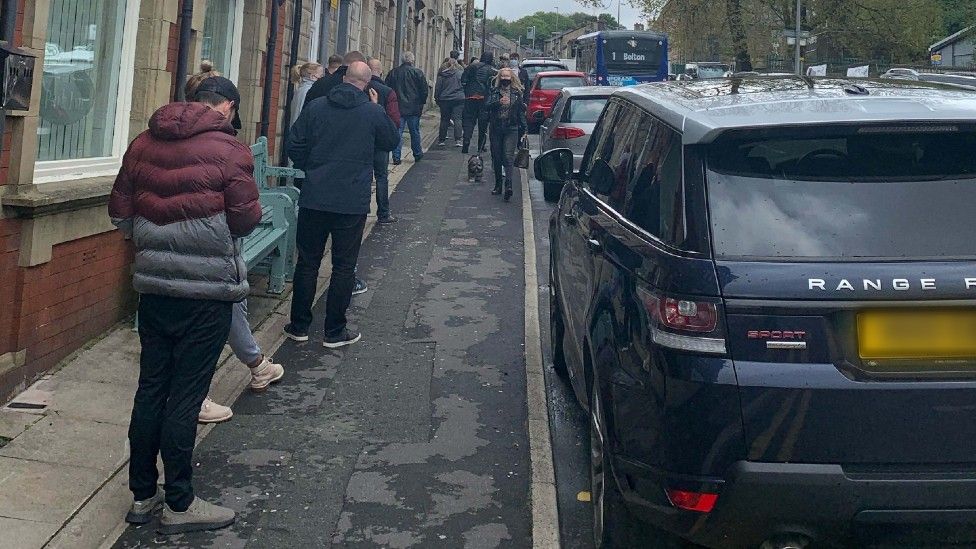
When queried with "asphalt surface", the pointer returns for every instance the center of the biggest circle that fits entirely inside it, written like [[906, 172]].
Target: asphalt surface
[[415, 437]]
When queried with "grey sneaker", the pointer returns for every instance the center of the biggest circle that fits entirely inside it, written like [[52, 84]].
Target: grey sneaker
[[142, 511], [201, 515]]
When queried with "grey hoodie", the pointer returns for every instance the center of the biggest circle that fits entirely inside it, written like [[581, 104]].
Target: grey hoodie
[[448, 86]]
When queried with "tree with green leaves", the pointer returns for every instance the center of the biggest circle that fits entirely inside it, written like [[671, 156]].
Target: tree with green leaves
[[546, 23]]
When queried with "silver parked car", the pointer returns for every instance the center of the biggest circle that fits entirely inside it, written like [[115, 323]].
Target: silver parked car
[[901, 74], [569, 127]]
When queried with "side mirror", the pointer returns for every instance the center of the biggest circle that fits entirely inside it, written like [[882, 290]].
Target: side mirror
[[601, 177], [554, 166], [539, 116]]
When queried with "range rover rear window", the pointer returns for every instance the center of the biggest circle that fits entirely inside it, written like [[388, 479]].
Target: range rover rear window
[[905, 193]]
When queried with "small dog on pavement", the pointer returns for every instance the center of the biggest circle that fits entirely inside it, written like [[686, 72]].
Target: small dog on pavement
[[476, 167]]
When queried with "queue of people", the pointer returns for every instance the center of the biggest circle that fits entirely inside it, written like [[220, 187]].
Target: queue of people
[[186, 195]]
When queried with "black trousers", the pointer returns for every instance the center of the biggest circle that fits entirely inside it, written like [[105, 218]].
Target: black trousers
[[503, 144], [181, 342], [314, 229], [451, 110], [475, 114]]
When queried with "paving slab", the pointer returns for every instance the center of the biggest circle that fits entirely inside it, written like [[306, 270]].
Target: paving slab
[[18, 533], [57, 439], [44, 492], [13, 423]]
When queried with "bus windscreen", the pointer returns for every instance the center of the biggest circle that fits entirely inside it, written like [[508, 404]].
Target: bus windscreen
[[632, 54]]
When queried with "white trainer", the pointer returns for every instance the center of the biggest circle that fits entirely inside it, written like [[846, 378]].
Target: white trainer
[[265, 374], [211, 412]]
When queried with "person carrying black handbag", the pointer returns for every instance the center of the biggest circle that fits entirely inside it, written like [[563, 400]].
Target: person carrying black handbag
[[506, 126]]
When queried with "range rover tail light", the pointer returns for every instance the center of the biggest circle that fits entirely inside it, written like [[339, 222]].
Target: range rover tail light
[[683, 324], [692, 501]]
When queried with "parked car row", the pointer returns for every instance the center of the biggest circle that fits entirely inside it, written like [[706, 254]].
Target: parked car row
[[762, 292]]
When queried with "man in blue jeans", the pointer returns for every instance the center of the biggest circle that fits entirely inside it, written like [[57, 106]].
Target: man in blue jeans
[[411, 87], [381, 159]]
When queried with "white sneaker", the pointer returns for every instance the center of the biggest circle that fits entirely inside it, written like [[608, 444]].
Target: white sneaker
[[265, 374], [211, 412]]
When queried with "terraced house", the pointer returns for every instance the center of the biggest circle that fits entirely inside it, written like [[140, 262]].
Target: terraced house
[[101, 67]]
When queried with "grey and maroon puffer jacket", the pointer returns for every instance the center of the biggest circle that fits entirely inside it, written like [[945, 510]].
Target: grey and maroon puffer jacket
[[186, 194]]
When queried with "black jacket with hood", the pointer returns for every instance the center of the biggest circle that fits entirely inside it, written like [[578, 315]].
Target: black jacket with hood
[[324, 85], [333, 140], [448, 86]]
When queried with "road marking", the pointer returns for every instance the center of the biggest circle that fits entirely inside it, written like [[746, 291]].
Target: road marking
[[545, 513]]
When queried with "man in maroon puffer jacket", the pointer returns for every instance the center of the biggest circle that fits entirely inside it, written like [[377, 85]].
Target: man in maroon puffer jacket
[[185, 194]]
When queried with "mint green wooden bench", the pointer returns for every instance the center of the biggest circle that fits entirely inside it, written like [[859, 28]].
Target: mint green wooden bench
[[266, 250], [264, 170]]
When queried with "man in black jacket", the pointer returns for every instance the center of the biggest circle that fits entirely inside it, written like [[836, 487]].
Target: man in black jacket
[[334, 141], [476, 81], [324, 85], [411, 88]]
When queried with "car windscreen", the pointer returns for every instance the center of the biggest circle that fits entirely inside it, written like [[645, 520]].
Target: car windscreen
[[632, 55], [584, 110], [560, 82], [870, 193], [534, 70], [711, 72]]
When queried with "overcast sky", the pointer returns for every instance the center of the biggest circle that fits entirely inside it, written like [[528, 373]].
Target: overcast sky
[[513, 9]]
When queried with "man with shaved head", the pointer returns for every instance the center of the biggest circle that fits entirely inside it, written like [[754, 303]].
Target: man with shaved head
[[334, 141], [381, 162]]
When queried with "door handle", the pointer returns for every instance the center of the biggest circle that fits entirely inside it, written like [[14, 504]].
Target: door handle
[[569, 218], [594, 246]]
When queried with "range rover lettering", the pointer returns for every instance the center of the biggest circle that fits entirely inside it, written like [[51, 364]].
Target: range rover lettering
[[763, 293]]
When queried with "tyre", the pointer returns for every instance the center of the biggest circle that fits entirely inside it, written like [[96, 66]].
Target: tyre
[[557, 328], [552, 191], [611, 521]]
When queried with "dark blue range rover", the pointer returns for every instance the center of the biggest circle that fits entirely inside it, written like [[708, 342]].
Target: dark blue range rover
[[764, 292]]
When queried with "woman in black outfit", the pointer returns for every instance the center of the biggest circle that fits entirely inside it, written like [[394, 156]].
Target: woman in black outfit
[[506, 125]]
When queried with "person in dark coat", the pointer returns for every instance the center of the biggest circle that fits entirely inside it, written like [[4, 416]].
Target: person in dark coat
[[476, 80], [334, 141], [381, 159], [506, 115], [185, 194], [324, 85], [449, 95], [411, 87], [522, 74]]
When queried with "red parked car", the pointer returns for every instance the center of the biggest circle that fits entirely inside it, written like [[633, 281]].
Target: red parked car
[[544, 91]]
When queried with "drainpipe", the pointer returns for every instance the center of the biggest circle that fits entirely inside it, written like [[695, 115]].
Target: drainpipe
[[325, 24], [183, 50], [269, 62], [296, 36]]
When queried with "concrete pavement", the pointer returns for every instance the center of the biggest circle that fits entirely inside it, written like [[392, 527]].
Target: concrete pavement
[[63, 451], [416, 436]]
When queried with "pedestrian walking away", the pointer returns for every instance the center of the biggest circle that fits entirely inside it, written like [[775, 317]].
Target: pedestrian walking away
[[411, 88], [506, 115], [476, 81], [381, 159], [184, 194], [449, 95], [522, 74], [334, 141], [303, 77]]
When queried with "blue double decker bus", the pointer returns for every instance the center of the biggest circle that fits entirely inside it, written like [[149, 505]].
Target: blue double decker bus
[[623, 57]]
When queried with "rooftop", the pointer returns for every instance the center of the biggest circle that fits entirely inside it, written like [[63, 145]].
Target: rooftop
[[705, 108], [952, 38]]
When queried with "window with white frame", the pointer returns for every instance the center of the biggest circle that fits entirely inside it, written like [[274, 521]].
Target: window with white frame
[[221, 40], [86, 88]]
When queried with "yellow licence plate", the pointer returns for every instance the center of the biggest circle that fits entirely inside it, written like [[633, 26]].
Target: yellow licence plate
[[917, 334]]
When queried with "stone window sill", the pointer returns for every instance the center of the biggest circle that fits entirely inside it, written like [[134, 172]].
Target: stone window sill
[[31, 201]]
